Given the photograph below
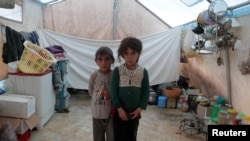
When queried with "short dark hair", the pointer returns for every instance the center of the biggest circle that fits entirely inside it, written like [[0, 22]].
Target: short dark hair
[[104, 50], [130, 42]]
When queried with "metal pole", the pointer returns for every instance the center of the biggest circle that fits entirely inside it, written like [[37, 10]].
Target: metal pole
[[116, 7], [227, 62], [239, 5], [43, 11]]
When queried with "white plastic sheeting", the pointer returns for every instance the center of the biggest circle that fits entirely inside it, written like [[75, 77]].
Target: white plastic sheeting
[[161, 55]]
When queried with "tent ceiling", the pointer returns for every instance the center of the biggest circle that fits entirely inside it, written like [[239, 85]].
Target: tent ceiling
[[49, 2], [179, 12]]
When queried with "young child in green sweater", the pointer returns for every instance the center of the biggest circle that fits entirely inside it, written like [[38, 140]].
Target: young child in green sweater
[[129, 90]]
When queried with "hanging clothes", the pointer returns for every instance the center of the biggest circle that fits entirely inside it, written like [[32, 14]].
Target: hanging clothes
[[60, 72], [13, 47], [31, 36]]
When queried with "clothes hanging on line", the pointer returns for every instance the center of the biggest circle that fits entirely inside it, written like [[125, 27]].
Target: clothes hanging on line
[[31, 36], [13, 43], [13, 47]]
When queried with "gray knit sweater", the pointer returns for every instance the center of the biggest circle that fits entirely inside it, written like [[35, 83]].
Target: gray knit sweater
[[99, 84]]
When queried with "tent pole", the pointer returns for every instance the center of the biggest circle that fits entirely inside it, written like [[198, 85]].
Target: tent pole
[[116, 7], [228, 76], [43, 10]]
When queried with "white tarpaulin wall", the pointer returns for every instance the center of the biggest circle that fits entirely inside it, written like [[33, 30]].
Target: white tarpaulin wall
[[161, 55]]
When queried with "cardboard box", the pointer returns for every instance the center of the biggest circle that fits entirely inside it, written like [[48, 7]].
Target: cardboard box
[[22, 125], [28, 124], [18, 106]]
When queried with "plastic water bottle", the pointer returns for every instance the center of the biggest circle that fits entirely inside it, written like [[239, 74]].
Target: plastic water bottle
[[162, 101]]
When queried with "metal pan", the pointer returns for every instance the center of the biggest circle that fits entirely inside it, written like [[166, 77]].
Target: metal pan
[[217, 9]]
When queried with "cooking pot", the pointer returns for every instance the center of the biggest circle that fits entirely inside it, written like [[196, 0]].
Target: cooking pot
[[225, 23], [217, 9], [220, 43], [215, 30], [219, 31], [204, 19]]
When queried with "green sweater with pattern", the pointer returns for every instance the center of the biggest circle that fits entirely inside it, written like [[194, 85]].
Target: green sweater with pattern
[[129, 88]]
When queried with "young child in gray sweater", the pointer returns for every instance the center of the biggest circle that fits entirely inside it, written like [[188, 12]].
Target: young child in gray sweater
[[99, 84]]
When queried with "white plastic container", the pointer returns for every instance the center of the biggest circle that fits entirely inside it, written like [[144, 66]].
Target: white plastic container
[[38, 85]]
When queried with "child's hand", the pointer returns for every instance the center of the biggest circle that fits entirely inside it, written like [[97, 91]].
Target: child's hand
[[135, 114], [122, 114]]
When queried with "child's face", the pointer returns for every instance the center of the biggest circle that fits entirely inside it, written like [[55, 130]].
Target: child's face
[[104, 62], [130, 56]]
